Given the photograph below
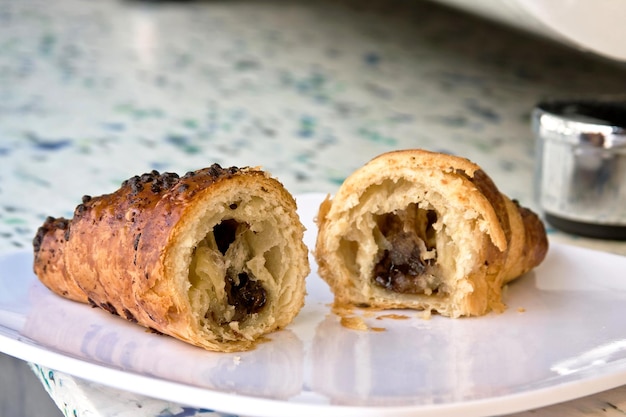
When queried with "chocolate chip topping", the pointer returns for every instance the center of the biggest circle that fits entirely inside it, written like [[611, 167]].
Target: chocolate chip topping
[[41, 232], [217, 171], [156, 181], [164, 182], [136, 184], [50, 224]]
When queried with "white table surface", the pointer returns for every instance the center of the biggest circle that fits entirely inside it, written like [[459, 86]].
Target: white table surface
[[93, 92]]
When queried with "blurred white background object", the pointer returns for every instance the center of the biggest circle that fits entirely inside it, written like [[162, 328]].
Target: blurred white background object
[[591, 26]]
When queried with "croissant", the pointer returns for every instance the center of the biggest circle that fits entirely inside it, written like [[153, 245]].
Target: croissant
[[214, 258], [426, 231]]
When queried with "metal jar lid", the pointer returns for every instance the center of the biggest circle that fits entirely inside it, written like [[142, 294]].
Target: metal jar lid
[[581, 165], [594, 122]]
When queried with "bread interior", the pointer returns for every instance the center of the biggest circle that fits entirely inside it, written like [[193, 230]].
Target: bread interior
[[236, 268], [411, 244]]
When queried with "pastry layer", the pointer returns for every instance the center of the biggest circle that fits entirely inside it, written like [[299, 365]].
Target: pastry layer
[[214, 258], [428, 231]]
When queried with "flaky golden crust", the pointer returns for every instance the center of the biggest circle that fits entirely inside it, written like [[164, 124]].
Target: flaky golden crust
[[472, 239], [152, 252]]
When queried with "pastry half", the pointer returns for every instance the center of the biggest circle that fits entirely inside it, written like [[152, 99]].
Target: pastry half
[[214, 258], [427, 231]]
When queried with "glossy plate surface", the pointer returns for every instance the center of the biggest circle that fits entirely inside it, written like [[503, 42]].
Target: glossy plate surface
[[562, 337]]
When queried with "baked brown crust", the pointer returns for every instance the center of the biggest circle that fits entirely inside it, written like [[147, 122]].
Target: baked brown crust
[[471, 239], [214, 258]]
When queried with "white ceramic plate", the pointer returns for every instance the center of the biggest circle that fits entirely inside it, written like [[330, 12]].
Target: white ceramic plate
[[562, 337]]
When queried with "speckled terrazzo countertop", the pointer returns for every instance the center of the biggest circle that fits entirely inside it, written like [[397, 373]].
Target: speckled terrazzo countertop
[[92, 93]]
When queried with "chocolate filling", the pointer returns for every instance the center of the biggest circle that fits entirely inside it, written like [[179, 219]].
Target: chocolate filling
[[407, 254], [225, 234], [243, 291], [246, 295]]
